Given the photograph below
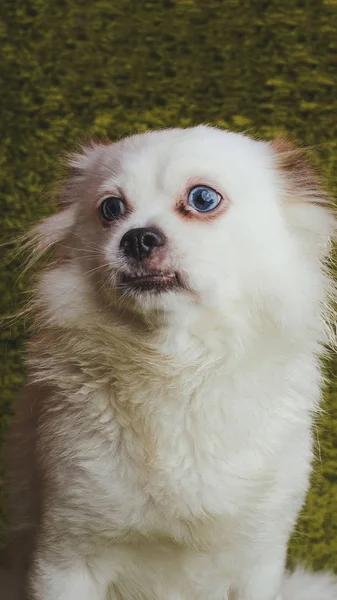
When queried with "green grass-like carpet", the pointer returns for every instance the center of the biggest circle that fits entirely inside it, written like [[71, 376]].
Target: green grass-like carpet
[[73, 68]]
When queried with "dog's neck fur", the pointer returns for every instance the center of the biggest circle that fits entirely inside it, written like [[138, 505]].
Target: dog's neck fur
[[82, 345]]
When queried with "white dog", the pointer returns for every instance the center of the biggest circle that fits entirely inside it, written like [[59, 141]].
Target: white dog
[[162, 447]]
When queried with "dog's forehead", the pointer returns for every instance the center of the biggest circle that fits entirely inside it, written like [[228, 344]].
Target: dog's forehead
[[166, 160]]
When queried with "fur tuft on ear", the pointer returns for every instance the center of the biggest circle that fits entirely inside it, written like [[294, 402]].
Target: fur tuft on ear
[[85, 156], [302, 182], [77, 165], [45, 235], [54, 229], [308, 206], [83, 159]]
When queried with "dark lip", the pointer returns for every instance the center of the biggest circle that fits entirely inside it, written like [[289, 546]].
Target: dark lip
[[152, 282]]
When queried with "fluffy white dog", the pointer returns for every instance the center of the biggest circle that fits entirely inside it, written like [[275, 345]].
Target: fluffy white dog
[[162, 447]]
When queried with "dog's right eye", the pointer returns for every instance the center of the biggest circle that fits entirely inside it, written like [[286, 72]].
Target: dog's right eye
[[203, 198], [112, 208]]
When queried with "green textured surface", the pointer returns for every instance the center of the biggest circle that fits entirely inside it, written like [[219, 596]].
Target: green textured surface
[[71, 68]]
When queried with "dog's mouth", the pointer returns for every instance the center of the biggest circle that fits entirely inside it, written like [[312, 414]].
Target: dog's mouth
[[155, 281]]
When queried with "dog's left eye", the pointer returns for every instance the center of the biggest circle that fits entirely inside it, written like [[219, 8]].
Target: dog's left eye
[[203, 198], [112, 208]]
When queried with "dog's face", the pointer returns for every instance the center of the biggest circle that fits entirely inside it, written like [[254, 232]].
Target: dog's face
[[176, 216], [194, 219]]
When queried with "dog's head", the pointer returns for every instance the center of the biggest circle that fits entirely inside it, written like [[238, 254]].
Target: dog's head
[[195, 221]]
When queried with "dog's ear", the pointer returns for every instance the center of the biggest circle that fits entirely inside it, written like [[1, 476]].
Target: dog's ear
[[80, 161], [85, 161], [307, 205], [301, 181], [44, 236], [53, 230]]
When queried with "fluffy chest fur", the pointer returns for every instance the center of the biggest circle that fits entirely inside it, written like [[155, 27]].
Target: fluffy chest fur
[[153, 456]]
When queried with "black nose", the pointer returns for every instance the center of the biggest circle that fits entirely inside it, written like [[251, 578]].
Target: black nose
[[139, 243]]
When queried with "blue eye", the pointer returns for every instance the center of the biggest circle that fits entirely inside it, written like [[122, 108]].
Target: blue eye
[[203, 198]]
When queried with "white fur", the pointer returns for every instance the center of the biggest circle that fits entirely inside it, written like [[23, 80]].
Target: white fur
[[309, 586], [178, 441]]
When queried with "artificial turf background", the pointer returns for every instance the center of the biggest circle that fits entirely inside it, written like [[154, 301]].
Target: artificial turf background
[[71, 68]]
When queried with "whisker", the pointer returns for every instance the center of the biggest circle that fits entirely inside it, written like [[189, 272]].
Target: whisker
[[89, 251], [95, 269]]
